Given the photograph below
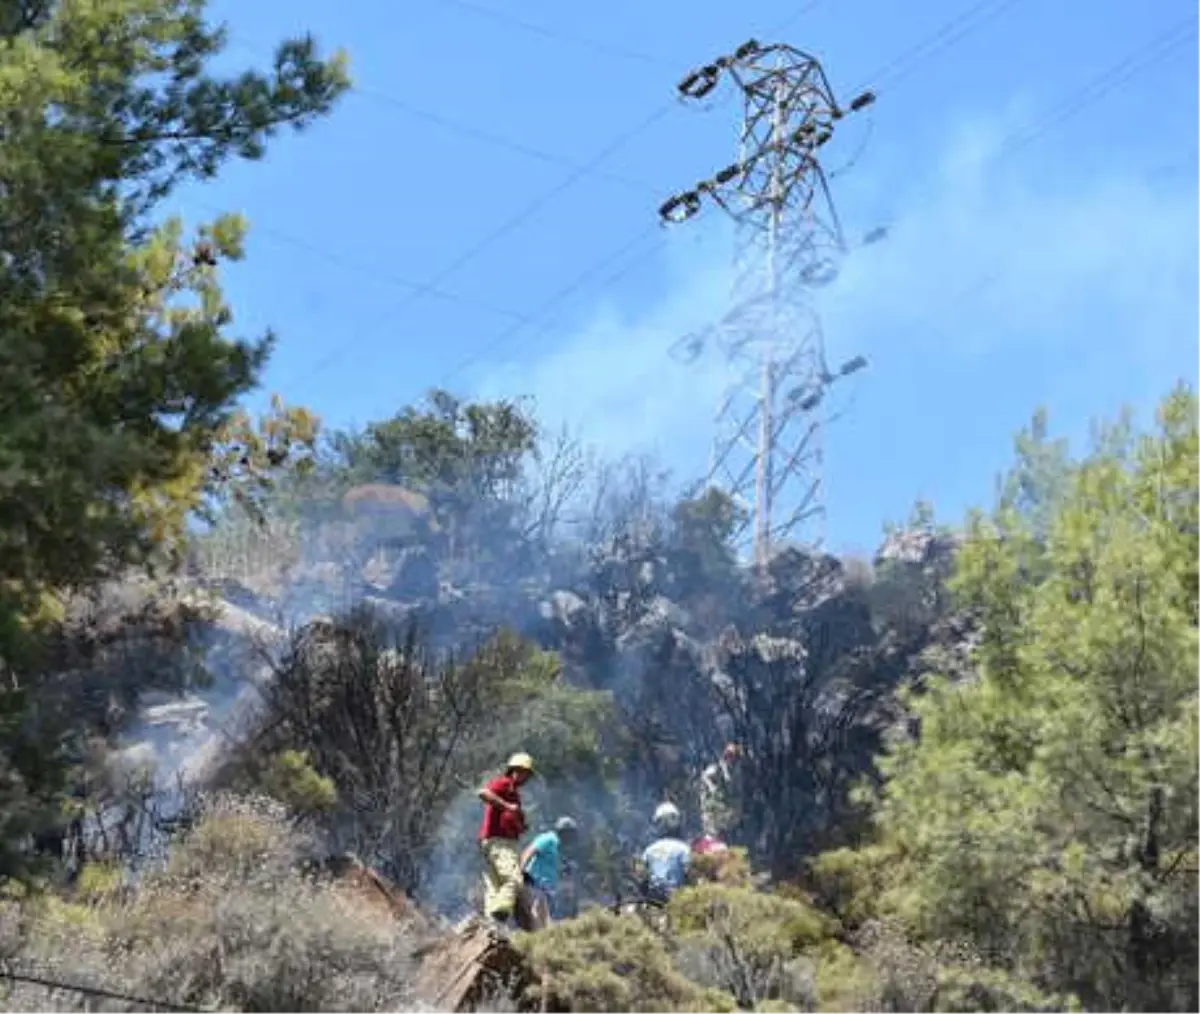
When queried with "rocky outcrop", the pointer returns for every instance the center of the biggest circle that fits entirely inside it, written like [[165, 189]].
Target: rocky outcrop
[[680, 660]]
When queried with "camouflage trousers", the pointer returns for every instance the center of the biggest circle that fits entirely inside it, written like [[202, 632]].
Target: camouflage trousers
[[502, 877], [716, 817]]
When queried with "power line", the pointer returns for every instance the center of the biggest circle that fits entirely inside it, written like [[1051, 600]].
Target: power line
[[607, 48], [1153, 52], [506, 227], [577, 172], [365, 268], [471, 130], [599, 46], [805, 8], [523, 148], [1089, 93], [431, 287], [517, 220], [37, 980], [468, 130], [578, 282], [513, 223], [791, 19], [948, 34], [580, 169], [496, 140]]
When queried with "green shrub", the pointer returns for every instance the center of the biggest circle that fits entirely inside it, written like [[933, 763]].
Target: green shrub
[[292, 780], [607, 962], [748, 943]]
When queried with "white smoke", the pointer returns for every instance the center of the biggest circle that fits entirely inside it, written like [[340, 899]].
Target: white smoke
[[999, 287]]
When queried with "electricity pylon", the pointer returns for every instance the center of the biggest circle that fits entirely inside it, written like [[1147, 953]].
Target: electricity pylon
[[789, 241]]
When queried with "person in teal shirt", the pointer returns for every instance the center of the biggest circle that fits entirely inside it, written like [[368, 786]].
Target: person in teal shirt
[[541, 862]]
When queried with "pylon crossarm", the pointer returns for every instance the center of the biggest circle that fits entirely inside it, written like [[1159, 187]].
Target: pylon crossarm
[[789, 242]]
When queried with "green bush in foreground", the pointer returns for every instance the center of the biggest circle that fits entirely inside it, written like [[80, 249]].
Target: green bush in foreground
[[607, 962]]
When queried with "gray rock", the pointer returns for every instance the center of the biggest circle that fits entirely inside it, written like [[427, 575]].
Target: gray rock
[[399, 613], [565, 608], [661, 618], [917, 546], [184, 713]]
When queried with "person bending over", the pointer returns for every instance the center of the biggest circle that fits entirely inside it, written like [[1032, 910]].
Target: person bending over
[[542, 863]]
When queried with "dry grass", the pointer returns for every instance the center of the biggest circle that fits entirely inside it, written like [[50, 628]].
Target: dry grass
[[229, 925]]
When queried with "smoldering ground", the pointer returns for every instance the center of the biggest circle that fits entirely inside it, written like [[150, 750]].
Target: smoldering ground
[[401, 657], [266, 585]]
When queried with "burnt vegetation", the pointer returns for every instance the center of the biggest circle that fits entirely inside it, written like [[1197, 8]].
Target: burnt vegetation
[[623, 650], [252, 673]]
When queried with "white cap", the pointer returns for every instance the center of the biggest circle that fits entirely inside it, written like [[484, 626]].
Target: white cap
[[667, 813]]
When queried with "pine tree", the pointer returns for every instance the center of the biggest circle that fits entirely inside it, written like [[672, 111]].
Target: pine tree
[[119, 375], [1047, 811]]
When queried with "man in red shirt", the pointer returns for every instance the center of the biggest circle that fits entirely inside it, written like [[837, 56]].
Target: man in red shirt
[[501, 830]]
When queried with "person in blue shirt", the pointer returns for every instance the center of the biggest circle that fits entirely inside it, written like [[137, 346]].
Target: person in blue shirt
[[542, 863], [667, 860]]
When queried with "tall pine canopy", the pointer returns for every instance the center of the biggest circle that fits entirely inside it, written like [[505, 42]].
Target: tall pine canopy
[[1047, 810], [119, 371], [118, 368]]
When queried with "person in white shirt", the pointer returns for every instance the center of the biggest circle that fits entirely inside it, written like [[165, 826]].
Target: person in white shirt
[[666, 862], [717, 810]]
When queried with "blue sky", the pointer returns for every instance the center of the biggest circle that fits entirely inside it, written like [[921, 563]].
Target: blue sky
[[1061, 272]]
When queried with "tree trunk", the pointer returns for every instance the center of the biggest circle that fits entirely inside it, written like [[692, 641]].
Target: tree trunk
[[1141, 923]]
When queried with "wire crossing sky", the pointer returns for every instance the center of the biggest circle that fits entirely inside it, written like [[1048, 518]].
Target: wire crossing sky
[[481, 213]]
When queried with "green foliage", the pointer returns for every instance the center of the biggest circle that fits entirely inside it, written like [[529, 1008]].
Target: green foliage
[[1047, 810], [747, 939], [922, 516], [463, 456], [978, 989], [460, 480], [607, 962], [251, 457], [443, 445], [765, 923], [231, 924], [848, 881], [361, 711], [1036, 485], [701, 544], [567, 729], [908, 597], [730, 867], [118, 374], [844, 981], [292, 780], [98, 881], [559, 724]]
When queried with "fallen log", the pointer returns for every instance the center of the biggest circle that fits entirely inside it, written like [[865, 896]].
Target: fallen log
[[366, 886], [461, 972]]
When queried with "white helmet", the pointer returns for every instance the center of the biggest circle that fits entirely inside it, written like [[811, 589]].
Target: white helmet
[[667, 817]]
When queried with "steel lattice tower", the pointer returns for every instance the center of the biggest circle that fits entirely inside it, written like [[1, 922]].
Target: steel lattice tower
[[788, 242]]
